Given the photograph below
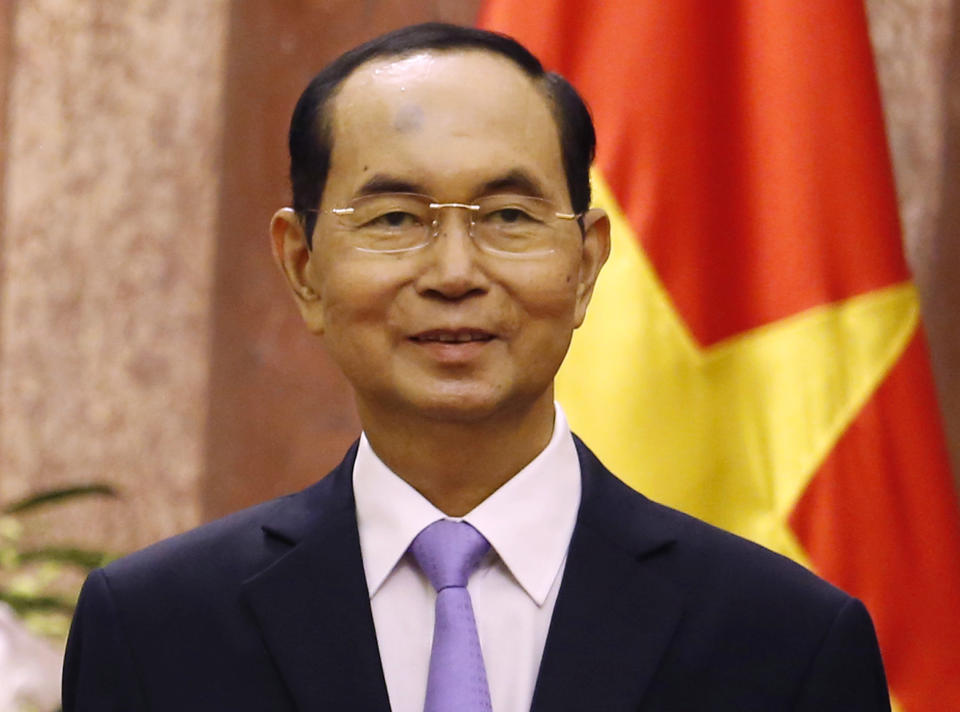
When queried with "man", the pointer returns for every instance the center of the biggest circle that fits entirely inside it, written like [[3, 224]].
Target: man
[[442, 245]]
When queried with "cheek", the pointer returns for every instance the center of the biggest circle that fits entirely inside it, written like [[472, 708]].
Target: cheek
[[550, 304], [354, 298], [549, 295]]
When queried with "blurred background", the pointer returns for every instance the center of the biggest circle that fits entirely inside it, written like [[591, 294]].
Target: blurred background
[[146, 341]]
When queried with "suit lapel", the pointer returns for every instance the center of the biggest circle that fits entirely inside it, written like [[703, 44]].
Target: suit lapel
[[615, 615], [312, 604]]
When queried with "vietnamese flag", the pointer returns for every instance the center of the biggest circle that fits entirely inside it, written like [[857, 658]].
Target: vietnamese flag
[[753, 354]]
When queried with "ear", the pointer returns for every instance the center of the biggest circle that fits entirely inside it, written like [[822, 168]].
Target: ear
[[596, 249], [294, 258]]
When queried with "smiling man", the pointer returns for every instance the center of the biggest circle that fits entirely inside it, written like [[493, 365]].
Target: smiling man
[[469, 553]]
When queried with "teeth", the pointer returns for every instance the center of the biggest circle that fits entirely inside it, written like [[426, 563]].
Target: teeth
[[454, 338]]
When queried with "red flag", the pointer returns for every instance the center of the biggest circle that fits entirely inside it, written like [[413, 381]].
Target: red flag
[[743, 145]]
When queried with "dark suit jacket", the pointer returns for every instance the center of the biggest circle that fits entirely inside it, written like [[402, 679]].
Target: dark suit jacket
[[268, 610]]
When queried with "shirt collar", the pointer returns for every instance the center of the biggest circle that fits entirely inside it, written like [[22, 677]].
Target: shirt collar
[[528, 521]]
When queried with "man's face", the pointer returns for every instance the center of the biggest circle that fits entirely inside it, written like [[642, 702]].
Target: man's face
[[448, 331]]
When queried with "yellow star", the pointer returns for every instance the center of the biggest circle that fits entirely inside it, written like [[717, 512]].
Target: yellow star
[[732, 433]]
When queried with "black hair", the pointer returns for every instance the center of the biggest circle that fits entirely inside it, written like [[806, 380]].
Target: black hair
[[310, 129]]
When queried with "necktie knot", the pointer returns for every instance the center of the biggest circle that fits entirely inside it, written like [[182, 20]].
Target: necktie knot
[[448, 552]]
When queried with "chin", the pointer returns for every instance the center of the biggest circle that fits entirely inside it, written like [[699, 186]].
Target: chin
[[457, 410], [474, 405]]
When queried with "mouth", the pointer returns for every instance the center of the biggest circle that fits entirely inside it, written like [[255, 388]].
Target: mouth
[[452, 336]]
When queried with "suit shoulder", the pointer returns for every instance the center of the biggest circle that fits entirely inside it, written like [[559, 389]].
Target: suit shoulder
[[734, 562], [703, 558], [230, 549], [235, 541]]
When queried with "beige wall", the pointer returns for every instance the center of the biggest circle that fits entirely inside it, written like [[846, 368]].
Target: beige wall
[[144, 338], [112, 178]]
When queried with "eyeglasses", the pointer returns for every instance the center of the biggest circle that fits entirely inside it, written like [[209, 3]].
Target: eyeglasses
[[508, 225]]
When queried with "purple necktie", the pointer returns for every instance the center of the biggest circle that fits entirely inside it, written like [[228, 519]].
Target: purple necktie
[[448, 552]]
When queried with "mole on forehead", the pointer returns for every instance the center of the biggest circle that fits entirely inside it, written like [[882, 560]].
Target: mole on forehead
[[408, 118]]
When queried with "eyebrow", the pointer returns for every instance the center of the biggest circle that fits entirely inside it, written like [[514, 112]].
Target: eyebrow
[[514, 181], [381, 183]]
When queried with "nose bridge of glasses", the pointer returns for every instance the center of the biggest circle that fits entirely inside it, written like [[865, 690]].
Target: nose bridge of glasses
[[462, 206], [471, 210]]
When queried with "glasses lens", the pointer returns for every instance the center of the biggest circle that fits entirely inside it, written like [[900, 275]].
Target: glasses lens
[[515, 224], [389, 222]]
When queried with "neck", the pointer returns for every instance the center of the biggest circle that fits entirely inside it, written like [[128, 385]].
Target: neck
[[457, 465]]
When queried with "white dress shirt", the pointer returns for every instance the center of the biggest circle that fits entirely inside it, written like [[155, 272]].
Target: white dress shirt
[[528, 522]]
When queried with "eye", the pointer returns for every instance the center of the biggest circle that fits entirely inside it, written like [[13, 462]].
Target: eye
[[395, 219], [388, 213], [509, 215]]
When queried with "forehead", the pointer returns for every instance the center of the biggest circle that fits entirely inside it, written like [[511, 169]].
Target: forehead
[[442, 116]]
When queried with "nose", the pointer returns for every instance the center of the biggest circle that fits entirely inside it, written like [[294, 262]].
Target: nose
[[452, 269]]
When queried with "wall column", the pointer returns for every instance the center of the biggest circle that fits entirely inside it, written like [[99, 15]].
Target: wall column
[[112, 164]]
